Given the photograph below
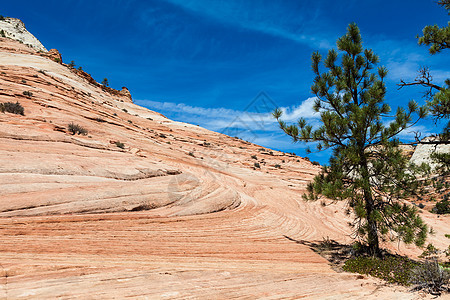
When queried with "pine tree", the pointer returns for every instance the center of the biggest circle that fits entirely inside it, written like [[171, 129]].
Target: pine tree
[[367, 169]]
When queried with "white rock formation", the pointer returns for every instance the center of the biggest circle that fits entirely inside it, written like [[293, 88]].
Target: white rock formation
[[425, 148], [15, 29]]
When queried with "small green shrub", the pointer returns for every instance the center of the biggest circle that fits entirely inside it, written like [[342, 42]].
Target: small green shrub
[[315, 163], [72, 64], [120, 145], [254, 157], [191, 154], [105, 82], [2, 33], [2, 18], [430, 277], [11, 107], [393, 269], [76, 129], [28, 93], [277, 166], [442, 207], [257, 165]]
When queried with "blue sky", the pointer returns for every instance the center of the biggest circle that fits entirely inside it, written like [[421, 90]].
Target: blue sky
[[220, 63]]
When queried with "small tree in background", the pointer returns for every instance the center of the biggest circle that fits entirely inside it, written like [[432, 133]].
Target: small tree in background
[[367, 169], [105, 82]]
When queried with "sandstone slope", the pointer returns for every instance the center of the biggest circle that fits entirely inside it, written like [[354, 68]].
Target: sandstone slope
[[177, 211]]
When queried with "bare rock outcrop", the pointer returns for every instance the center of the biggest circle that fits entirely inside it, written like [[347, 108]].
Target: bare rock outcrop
[[54, 55], [15, 29]]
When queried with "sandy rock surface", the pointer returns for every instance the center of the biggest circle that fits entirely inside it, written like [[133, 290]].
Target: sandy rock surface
[[15, 29], [148, 208]]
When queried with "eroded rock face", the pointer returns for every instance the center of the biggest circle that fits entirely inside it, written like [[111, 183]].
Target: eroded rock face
[[54, 55], [15, 29], [126, 93], [142, 206]]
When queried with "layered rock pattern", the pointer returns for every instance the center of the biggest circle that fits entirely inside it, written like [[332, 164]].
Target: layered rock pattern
[[142, 206]]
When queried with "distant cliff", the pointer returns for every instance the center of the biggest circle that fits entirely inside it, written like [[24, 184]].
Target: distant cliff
[[15, 29]]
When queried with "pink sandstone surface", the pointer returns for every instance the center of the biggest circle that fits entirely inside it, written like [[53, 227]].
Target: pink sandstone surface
[[179, 212]]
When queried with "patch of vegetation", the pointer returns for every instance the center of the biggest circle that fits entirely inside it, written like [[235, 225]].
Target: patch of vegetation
[[315, 163], [71, 64], [2, 33], [442, 207], [11, 107], [430, 277], [162, 135], [120, 145], [57, 59], [393, 269], [257, 165], [105, 82], [76, 129], [2, 18], [191, 154], [277, 166], [28, 93], [254, 157]]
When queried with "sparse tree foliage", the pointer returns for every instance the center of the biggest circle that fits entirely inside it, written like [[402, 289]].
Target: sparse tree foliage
[[438, 39], [438, 97], [366, 168], [105, 82]]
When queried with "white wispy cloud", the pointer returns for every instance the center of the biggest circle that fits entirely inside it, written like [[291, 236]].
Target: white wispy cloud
[[269, 18], [221, 118]]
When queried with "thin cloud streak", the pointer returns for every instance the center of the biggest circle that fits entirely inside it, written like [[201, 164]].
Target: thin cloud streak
[[260, 18]]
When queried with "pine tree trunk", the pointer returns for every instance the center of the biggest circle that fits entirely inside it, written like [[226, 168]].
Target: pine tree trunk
[[372, 234], [374, 246]]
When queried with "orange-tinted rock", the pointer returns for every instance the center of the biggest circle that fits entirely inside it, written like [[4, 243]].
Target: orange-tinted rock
[[126, 93], [127, 211], [55, 55]]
